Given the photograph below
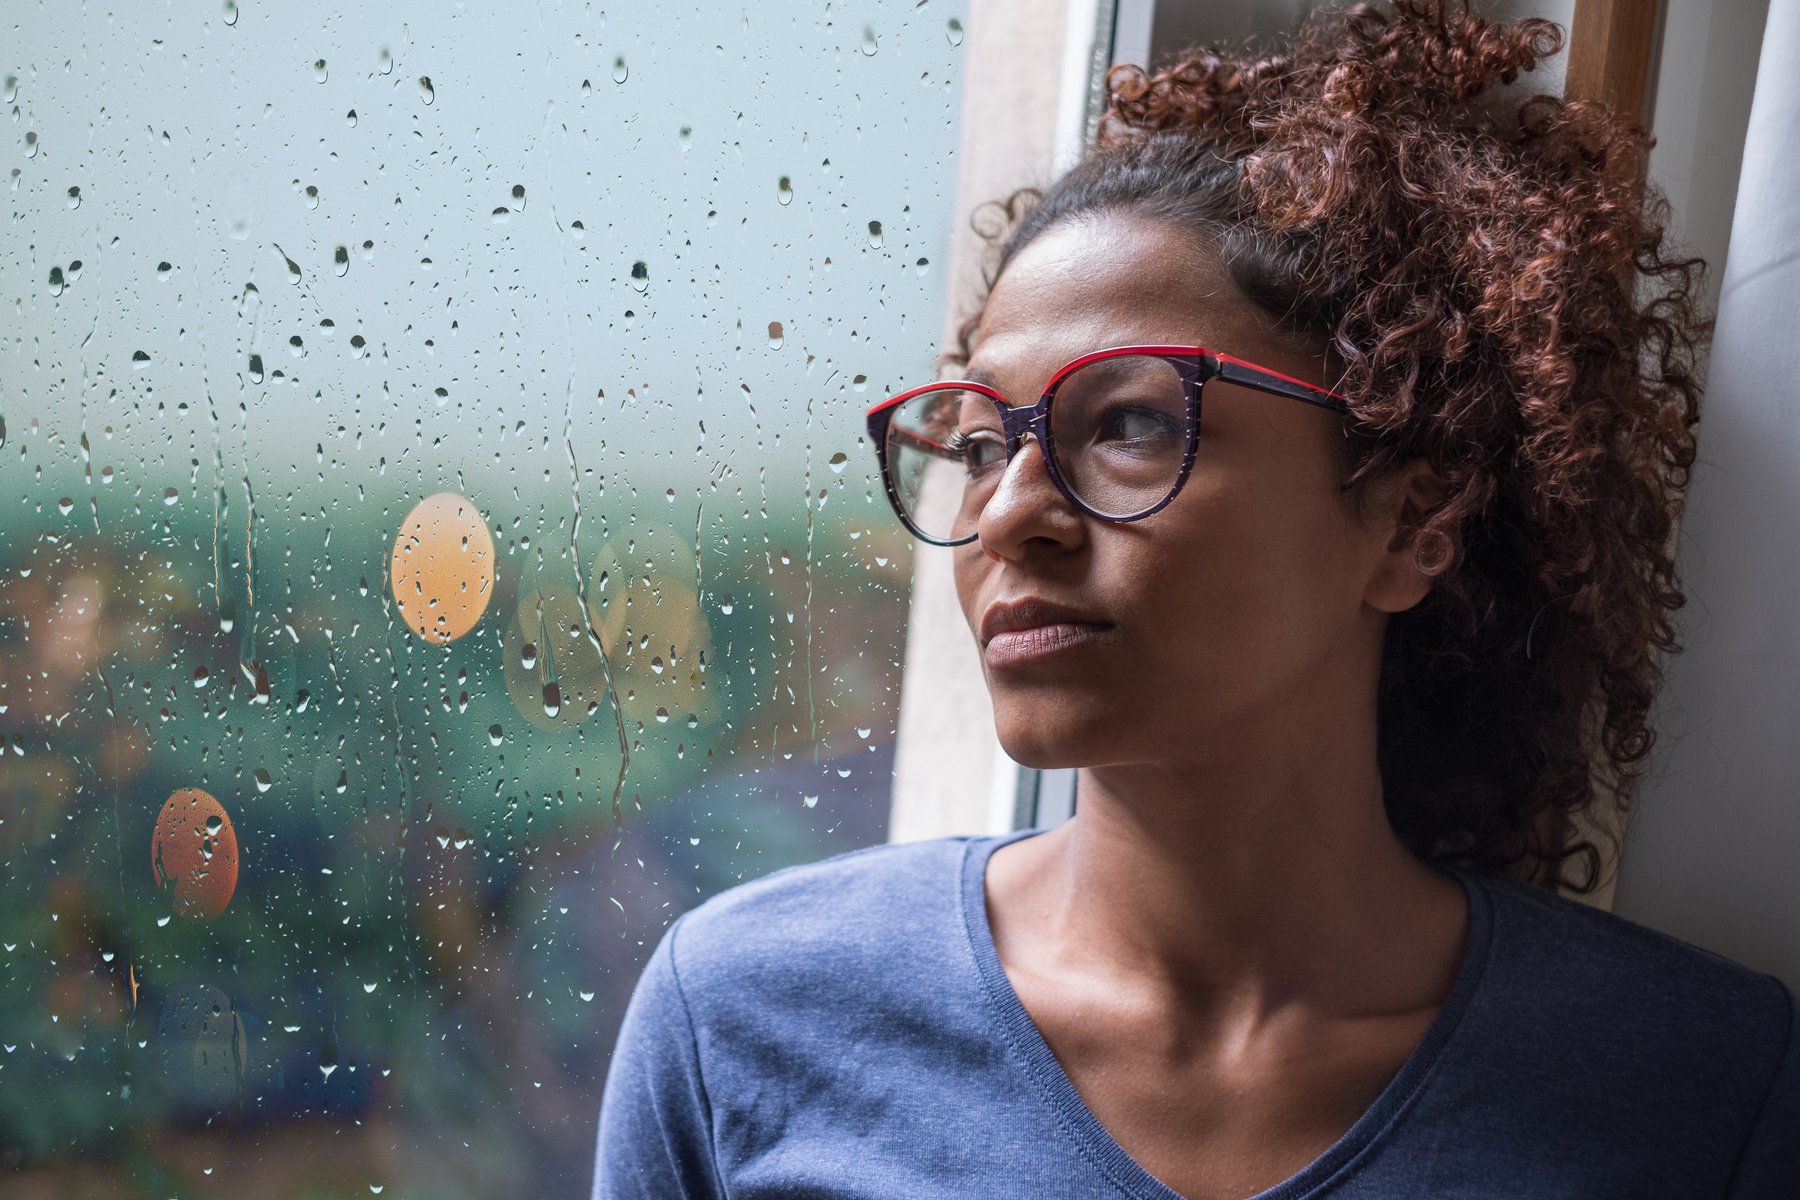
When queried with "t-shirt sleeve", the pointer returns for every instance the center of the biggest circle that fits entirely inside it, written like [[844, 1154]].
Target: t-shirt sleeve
[[655, 1122], [1769, 1167]]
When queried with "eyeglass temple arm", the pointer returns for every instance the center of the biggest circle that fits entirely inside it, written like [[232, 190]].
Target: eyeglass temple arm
[[1232, 370]]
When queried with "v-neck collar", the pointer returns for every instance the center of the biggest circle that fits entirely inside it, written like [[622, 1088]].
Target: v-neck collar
[[1099, 1146]]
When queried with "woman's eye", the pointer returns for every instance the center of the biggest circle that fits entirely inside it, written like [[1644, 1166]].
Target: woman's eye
[[978, 450], [1130, 423]]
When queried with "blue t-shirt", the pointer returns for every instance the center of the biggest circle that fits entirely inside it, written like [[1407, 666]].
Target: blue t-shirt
[[845, 1029]]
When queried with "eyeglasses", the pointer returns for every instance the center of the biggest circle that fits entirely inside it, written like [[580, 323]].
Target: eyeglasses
[[1117, 429]]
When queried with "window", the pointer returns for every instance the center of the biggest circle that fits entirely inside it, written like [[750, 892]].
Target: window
[[438, 549]]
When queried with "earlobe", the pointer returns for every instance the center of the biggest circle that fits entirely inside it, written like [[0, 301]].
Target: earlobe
[[1414, 555]]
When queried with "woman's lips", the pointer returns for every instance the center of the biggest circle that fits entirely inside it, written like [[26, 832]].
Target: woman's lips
[[1019, 647]]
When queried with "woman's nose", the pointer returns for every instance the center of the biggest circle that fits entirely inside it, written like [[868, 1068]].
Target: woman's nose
[[1026, 504]]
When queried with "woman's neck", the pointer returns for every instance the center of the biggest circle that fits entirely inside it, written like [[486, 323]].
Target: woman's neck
[[1235, 896]]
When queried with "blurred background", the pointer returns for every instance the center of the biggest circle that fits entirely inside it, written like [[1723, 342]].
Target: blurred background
[[437, 547]]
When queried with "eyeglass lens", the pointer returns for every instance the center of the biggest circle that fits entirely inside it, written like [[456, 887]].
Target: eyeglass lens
[[1118, 429]]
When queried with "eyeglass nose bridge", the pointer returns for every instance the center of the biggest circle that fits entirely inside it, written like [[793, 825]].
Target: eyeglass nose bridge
[[1026, 421]]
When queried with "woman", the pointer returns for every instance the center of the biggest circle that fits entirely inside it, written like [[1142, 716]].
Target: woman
[[1335, 664]]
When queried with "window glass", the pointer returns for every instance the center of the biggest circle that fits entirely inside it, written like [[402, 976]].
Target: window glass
[[437, 547]]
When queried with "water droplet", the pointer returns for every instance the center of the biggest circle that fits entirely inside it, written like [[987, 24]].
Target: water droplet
[[200, 677], [863, 731], [231, 12], [74, 197], [496, 735], [11, 90], [343, 782], [586, 997], [552, 699], [662, 716], [256, 368], [922, 266], [65, 506], [620, 71], [319, 72], [163, 269], [140, 359], [874, 233], [350, 118], [726, 606], [340, 260], [686, 137], [809, 801], [528, 656], [368, 988], [954, 32], [784, 191], [838, 462], [263, 782], [869, 44], [56, 281], [170, 496], [775, 335], [312, 196], [640, 277], [859, 382], [427, 93], [385, 60], [693, 722]]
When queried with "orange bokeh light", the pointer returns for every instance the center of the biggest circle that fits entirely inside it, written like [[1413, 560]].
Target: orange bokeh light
[[194, 853], [442, 571]]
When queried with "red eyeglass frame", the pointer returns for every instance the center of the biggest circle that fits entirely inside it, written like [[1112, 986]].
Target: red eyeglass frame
[[1196, 365]]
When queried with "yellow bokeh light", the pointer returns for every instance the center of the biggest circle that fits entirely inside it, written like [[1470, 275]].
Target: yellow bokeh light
[[442, 571]]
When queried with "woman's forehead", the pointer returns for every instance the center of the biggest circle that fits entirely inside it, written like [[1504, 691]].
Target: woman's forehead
[[1086, 285]]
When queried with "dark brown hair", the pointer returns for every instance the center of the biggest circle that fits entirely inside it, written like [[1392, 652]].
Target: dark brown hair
[[1492, 279]]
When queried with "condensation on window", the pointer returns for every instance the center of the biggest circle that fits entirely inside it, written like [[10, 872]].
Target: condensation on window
[[437, 547]]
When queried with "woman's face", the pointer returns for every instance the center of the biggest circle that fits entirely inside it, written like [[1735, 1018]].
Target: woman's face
[[1253, 605]]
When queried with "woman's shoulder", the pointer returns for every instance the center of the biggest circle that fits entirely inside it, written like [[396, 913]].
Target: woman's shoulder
[[1601, 953], [1605, 988], [843, 915]]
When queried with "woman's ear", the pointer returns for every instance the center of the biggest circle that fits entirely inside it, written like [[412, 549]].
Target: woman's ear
[[1396, 582]]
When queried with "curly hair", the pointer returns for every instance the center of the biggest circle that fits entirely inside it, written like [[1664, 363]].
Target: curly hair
[[1492, 280]]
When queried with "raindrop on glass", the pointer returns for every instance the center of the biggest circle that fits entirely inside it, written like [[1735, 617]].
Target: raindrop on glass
[[427, 93], [784, 191], [954, 32], [620, 71]]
